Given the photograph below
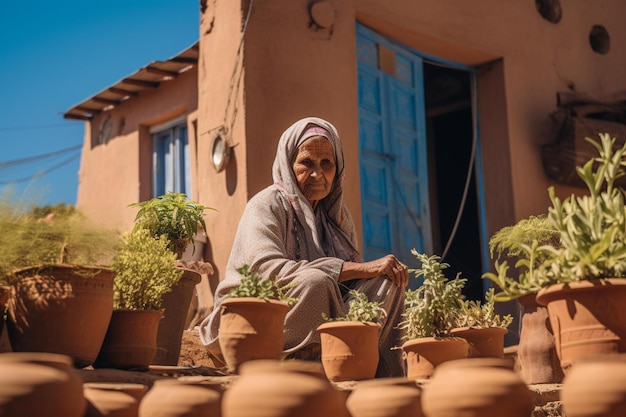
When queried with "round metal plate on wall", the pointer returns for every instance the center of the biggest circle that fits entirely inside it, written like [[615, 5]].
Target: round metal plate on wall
[[220, 152]]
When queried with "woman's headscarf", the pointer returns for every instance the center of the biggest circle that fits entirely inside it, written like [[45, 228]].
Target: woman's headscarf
[[330, 222]]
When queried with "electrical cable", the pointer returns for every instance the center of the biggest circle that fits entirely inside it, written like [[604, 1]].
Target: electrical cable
[[14, 162], [42, 173]]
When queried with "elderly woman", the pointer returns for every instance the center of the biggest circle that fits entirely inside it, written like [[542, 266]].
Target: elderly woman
[[299, 231]]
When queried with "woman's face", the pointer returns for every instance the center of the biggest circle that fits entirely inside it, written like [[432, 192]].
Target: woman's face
[[314, 168]]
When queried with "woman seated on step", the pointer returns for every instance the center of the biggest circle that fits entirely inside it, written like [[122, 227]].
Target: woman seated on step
[[299, 231]]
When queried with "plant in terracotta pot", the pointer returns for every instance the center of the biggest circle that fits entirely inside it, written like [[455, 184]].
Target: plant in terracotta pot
[[484, 329], [429, 317], [350, 343], [145, 270], [252, 320], [54, 259], [589, 263]]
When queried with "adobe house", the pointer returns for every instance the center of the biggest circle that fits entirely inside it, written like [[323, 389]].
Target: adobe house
[[443, 107]]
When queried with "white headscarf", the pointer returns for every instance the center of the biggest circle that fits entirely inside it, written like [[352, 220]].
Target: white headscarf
[[330, 225]]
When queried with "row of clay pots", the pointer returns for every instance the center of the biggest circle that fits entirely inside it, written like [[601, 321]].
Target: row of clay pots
[[33, 384]]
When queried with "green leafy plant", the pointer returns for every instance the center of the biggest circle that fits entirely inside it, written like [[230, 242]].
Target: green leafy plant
[[477, 314], [431, 309], [252, 285], [174, 216], [145, 270], [591, 230], [360, 308], [59, 234]]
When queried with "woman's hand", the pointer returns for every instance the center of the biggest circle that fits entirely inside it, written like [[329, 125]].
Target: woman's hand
[[388, 266]]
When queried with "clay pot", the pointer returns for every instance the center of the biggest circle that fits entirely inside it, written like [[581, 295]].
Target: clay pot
[[251, 328], [349, 349], [587, 317], [273, 388], [596, 387], [171, 326], [182, 398], [481, 387], [536, 352], [61, 309], [424, 354], [40, 384], [113, 399], [131, 340], [385, 397], [486, 342]]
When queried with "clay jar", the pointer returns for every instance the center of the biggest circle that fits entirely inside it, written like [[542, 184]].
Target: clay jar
[[113, 399], [424, 354], [182, 398], [596, 386], [251, 328], [484, 342], [385, 397], [271, 388], [40, 384], [477, 387]]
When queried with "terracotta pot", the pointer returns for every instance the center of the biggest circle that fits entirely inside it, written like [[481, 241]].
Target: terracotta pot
[[113, 399], [477, 387], [486, 342], [40, 384], [596, 387], [61, 309], [182, 398], [251, 328], [176, 306], [587, 317], [385, 397], [130, 341], [271, 388], [536, 352], [349, 349], [423, 355]]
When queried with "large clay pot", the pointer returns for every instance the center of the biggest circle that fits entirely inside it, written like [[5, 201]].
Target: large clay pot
[[596, 387], [477, 387], [182, 398], [385, 397], [40, 384], [113, 399], [131, 340], [273, 388], [485, 342], [424, 354], [349, 349], [251, 328], [61, 309], [587, 317], [175, 306], [539, 363]]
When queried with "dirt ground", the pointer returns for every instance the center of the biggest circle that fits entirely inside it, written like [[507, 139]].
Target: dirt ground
[[193, 352]]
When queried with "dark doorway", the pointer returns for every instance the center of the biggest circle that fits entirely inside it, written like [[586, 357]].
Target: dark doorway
[[449, 126]]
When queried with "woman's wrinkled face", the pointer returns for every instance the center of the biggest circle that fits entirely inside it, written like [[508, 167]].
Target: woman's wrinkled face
[[314, 168]]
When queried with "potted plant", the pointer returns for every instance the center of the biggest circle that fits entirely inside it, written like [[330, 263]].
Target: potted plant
[[180, 221], [484, 329], [582, 279], [252, 320], [145, 270], [350, 343], [54, 259], [429, 317], [536, 352]]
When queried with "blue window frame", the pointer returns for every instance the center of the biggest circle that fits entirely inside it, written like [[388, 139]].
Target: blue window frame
[[170, 160]]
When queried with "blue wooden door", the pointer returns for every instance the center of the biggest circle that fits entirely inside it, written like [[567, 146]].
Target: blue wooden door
[[392, 149]]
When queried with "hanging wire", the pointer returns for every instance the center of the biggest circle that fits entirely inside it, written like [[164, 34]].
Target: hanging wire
[[42, 173], [14, 162]]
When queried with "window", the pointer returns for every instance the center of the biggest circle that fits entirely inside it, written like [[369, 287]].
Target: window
[[170, 160]]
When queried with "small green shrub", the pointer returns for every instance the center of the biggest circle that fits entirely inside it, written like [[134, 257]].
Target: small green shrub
[[360, 308], [477, 314], [144, 271], [252, 285]]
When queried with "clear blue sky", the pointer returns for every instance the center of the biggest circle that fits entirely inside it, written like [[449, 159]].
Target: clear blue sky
[[54, 55]]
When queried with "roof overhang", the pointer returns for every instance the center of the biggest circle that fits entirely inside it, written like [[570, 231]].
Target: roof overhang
[[147, 78]]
